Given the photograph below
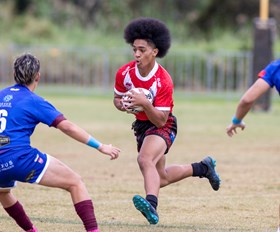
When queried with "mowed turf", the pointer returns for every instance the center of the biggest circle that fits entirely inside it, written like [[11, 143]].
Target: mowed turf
[[248, 164]]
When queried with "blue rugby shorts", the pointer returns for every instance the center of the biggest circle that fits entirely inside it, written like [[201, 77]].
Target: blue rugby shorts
[[24, 167]]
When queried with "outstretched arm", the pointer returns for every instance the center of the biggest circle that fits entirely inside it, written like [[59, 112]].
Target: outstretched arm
[[245, 104], [79, 134]]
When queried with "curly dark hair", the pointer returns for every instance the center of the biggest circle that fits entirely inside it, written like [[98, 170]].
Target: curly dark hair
[[26, 68], [151, 30]]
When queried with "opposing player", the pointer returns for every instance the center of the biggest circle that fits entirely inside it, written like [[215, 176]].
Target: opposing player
[[268, 78], [156, 127], [20, 111]]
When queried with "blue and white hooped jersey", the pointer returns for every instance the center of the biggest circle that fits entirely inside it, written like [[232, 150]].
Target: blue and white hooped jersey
[[20, 111]]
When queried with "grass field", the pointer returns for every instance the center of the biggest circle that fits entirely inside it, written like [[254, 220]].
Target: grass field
[[248, 164]]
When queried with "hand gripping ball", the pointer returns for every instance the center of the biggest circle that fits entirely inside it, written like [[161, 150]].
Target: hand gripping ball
[[137, 109]]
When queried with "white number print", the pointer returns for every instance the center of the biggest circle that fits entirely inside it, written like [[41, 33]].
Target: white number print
[[3, 121]]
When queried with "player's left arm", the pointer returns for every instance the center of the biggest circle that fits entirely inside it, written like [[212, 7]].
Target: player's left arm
[[74, 131], [158, 112], [157, 117], [79, 134]]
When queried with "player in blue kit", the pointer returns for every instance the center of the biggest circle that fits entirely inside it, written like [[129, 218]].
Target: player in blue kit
[[268, 78], [20, 111]]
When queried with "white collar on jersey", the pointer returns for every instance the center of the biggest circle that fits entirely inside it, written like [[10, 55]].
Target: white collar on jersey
[[149, 76]]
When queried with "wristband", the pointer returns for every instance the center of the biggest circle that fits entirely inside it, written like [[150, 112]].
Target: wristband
[[236, 121], [92, 142]]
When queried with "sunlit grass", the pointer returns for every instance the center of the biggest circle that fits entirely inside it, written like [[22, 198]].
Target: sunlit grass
[[248, 165]]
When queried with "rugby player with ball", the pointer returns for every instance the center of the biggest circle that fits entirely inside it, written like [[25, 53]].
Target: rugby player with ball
[[155, 127]]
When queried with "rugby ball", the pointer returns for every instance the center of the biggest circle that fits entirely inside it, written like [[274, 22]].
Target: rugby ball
[[137, 109]]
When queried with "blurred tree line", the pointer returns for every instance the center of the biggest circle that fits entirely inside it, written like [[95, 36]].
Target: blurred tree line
[[201, 25], [201, 15], [195, 18]]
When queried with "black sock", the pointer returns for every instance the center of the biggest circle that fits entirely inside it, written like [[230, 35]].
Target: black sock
[[152, 199], [199, 169]]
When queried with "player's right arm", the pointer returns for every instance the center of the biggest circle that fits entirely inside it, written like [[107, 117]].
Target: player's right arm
[[118, 102], [119, 87], [245, 104], [79, 134]]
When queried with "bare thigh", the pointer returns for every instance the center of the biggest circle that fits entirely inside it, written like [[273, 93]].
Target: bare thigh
[[59, 175], [153, 148]]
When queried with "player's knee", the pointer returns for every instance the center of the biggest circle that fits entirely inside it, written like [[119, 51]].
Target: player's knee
[[78, 179], [3, 194], [163, 179], [76, 182], [164, 182], [143, 162]]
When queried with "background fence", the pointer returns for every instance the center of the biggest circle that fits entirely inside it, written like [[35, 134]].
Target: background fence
[[193, 71]]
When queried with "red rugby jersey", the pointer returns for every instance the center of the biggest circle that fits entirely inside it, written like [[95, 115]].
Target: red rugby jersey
[[158, 81]]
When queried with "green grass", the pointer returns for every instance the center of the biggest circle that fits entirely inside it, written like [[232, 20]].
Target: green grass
[[247, 163], [29, 31]]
